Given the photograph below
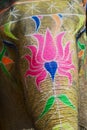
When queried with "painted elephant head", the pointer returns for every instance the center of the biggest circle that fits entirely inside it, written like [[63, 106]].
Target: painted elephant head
[[39, 52]]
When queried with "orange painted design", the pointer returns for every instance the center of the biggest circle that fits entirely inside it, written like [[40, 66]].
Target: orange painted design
[[81, 53], [6, 60], [57, 21]]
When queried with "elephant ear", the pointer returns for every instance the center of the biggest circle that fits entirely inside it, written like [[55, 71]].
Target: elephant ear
[[65, 99], [50, 102]]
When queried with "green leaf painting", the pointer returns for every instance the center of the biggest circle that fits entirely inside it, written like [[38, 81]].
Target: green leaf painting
[[50, 102], [81, 46], [2, 52], [80, 23], [64, 99], [8, 32], [4, 69]]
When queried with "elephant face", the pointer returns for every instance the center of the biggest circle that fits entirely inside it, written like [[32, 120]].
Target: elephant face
[[41, 40]]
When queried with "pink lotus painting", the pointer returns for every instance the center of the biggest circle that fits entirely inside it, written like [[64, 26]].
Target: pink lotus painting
[[50, 57]]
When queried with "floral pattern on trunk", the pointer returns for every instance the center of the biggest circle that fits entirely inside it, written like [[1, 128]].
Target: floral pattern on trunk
[[50, 57]]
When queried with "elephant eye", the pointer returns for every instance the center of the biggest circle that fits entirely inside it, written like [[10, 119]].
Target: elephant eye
[[9, 44]]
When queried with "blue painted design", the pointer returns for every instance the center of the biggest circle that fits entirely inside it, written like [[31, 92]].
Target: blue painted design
[[37, 22], [60, 15], [51, 67]]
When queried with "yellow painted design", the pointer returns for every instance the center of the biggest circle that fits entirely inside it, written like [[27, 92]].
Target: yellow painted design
[[8, 32], [80, 23]]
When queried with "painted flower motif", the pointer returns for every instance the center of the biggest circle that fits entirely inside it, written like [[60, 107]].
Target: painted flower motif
[[14, 12], [49, 57], [4, 61]]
